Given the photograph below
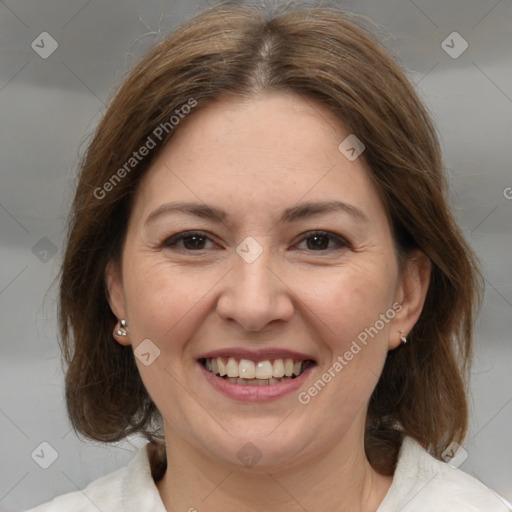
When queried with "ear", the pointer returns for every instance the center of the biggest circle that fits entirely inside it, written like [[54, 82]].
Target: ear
[[116, 297], [411, 293]]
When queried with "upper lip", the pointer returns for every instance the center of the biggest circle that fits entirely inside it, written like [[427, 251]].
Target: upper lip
[[257, 355]]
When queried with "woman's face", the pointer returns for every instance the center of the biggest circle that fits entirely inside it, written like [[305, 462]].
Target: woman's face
[[254, 240]]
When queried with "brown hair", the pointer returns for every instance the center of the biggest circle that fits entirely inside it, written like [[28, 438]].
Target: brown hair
[[322, 54]]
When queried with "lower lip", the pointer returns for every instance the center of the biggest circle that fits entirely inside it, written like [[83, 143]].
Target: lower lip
[[246, 393]]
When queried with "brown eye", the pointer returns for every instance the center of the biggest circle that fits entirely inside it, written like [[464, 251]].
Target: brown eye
[[194, 242], [189, 241], [322, 241], [318, 242]]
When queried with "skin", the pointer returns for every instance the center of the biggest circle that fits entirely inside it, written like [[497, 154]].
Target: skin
[[253, 159]]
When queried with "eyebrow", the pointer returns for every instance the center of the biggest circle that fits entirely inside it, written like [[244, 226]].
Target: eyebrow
[[198, 209], [310, 209], [294, 213]]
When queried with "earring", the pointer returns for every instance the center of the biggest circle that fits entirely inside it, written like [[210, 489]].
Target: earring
[[122, 329], [403, 339]]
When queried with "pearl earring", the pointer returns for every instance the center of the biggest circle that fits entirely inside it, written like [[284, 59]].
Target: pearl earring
[[122, 329]]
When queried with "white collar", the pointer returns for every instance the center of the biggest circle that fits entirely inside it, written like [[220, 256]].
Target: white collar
[[421, 483]]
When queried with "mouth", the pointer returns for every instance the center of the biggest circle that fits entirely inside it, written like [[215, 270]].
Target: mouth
[[249, 372]]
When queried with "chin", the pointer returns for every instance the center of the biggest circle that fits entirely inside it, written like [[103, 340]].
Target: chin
[[259, 449]]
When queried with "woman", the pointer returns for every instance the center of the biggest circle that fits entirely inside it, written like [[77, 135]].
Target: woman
[[263, 277]]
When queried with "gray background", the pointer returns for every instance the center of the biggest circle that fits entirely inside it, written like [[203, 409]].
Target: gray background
[[49, 108]]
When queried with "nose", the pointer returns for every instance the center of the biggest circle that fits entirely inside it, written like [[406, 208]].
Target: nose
[[254, 296]]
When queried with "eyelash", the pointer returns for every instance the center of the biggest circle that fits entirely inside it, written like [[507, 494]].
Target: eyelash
[[338, 240], [173, 241]]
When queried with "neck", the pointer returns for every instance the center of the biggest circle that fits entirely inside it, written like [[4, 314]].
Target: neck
[[340, 480]]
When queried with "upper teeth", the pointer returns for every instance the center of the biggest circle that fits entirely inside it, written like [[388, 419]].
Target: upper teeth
[[247, 369]]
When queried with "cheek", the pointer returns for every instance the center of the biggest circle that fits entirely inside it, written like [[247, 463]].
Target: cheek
[[165, 302], [166, 305], [349, 299], [352, 315]]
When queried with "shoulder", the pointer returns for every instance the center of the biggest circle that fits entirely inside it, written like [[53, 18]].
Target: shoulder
[[424, 484], [102, 494], [128, 487]]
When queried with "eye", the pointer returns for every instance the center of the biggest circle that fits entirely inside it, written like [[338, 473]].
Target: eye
[[321, 241], [189, 241]]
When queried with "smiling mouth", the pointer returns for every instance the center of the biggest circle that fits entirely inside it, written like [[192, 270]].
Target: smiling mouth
[[256, 373]]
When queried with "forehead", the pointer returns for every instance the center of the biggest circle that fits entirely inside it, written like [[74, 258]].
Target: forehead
[[267, 153], [274, 130]]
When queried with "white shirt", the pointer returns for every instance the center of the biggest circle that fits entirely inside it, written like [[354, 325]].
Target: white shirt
[[421, 483]]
